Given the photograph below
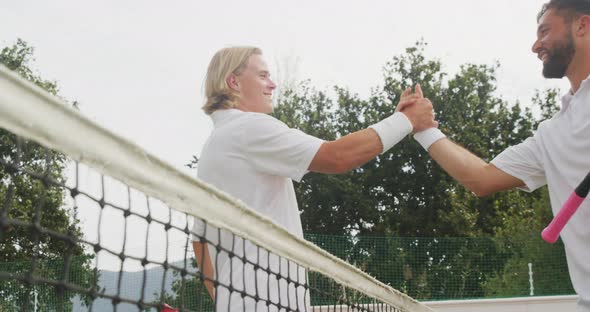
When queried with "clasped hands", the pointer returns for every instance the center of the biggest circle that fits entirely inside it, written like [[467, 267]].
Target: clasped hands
[[417, 109]]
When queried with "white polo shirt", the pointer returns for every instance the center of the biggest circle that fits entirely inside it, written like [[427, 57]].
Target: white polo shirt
[[254, 157], [559, 155]]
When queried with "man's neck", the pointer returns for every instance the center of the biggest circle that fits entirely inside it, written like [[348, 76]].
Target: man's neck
[[579, 70], [576, 81]]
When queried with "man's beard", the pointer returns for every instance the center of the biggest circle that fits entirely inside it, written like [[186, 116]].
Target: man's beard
[[559, 58]]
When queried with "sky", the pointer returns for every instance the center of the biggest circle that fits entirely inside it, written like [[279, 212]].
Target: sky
[[137, 67]]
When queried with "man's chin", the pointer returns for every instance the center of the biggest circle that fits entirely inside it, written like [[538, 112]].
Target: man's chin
[[553, 73], [553, 76], [270, 107]]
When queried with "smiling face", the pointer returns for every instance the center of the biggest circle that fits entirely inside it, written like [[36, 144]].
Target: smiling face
[[254, 86], [554, 45]]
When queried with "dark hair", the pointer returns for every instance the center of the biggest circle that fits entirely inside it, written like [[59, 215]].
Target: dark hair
[[568, 9]]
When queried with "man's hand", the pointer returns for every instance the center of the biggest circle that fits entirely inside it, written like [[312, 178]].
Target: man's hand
[[407, 99], [417, 109]]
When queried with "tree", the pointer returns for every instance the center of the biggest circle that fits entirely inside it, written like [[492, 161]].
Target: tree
[[36, 200], [403, 192]]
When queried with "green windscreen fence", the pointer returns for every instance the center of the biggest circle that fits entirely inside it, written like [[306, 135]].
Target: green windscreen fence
[[456, 268]]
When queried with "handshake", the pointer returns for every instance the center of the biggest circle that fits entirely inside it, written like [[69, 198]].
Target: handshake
[[414, 114], [417, 109]]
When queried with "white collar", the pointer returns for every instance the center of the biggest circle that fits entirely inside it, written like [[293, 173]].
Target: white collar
[[220, 115], [567, 98]]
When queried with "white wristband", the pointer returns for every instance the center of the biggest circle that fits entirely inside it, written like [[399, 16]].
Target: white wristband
[[427, 137], [392, 129]]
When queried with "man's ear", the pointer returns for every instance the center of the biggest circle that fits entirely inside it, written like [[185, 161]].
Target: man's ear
[[582, 25], [232, 82]]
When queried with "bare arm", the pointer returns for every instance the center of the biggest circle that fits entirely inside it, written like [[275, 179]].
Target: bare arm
[[356, 149], [347, 153], [471, 171], [205, 266]]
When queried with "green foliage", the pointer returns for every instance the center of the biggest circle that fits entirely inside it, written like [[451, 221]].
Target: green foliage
[[18, 58], [34, 200], [403, 192], [519, 237]]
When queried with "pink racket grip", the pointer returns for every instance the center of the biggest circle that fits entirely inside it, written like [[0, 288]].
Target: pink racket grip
[[551, 232]]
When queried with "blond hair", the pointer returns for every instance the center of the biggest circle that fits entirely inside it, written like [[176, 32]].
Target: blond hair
[[232, 60]]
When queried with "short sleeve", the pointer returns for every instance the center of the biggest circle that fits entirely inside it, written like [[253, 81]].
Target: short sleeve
[[274, 148], [524, 162]]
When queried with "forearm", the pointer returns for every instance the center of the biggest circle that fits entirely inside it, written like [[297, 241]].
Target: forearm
[[471, 171], [205, 266], [458, 162], [347, 153], [355, 149]]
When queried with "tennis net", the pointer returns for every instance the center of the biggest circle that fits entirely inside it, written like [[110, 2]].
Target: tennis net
[[83, 210]]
